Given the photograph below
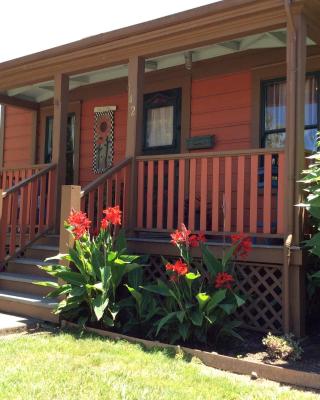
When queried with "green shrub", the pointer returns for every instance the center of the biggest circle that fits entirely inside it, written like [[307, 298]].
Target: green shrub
[[282, 347]]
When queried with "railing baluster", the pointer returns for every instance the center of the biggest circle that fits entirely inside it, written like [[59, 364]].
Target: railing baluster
[[170, 194], [126, 191], [140, 191], [181, 193], [254, 193], [160, 195], [23, 214], [4, 212], [192, 193], [215, 193], [33, 209], [203, 194], [267, 193], [240, 193], [150, 194], [42, 202], [91, 206], [280, 200], [100, 201], [117, 189], [14, 215], [50, 198], [228, 193]]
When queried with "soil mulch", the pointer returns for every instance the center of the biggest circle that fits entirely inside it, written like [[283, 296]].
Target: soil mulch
[[252, 349]]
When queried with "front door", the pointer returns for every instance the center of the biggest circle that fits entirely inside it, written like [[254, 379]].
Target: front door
[[70, 145]]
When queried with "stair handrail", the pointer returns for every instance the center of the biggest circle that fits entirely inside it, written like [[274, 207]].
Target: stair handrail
[[97, 182], [23, 231], [32, 166], [26, 181]]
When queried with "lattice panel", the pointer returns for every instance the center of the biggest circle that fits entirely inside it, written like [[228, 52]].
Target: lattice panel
[[261, 284], [155, 269]]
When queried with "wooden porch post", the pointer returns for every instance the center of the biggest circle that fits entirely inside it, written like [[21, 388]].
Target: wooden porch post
[[134, 132], [70, 199], [59, 140], [293, 278], [2, 133]]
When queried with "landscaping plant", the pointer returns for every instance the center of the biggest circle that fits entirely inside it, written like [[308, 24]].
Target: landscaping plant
[[311, 182], [282, 347], [198, 303], [98, 266]]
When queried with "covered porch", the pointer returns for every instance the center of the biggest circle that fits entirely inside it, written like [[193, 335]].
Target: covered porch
[[219, 175]]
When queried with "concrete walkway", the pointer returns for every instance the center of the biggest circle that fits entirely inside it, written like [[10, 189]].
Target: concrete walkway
[[13, 323]]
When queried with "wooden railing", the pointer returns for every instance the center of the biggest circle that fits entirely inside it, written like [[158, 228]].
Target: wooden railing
[[11, 176], [26, 211], [109, 189], [236, 191]]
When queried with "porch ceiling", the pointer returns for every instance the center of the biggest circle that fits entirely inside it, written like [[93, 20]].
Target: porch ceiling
[[43, 91]]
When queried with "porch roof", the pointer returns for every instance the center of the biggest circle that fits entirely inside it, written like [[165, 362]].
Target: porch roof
[[214, 23]]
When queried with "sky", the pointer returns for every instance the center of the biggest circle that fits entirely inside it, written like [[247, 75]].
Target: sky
[[29, 26]]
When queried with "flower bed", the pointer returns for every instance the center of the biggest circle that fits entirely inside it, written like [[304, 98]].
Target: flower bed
[[106, 287]]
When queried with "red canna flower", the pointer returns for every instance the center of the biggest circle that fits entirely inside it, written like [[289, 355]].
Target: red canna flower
[[112, 216], [201, 237], [180, 237], [193, 241], [184, 237], [223, 281], [243, 247], [79, 222], [179, 267]]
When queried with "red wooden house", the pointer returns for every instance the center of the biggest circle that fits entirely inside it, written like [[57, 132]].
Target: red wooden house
[[202, 117]]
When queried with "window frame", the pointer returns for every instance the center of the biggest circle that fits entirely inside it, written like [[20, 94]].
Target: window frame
[[175, 100], [263, 85]]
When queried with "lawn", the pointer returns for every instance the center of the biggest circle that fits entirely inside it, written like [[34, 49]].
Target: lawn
[[66, 366]]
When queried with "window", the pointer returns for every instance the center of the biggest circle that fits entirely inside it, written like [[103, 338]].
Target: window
[[274, 112], [162, 125]]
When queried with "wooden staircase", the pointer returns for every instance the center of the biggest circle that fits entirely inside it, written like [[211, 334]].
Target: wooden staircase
[[18, 294]]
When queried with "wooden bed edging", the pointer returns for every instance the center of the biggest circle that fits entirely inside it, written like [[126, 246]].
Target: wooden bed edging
[[288, 376]]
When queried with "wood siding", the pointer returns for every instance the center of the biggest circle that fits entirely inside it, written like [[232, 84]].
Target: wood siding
[[221, 105], [86, 136], [18, 140]]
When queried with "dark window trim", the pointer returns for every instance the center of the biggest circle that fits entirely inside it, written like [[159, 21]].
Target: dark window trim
[[176, 101], [263, 93]]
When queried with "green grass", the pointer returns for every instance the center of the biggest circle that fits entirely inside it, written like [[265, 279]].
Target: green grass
[[65, 366]]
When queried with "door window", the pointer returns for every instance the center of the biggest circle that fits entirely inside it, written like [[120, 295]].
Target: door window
[[69, 146]]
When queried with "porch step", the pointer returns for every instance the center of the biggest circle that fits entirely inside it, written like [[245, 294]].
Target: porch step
[[27, 305], [28, 266], [25, 283], [49, 239], [41, 251]]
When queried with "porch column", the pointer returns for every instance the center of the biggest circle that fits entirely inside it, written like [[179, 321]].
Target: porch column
[[2, 133], [59, 140], [293, 276], [134, 133]]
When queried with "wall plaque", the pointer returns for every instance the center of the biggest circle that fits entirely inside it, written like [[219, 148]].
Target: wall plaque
[[103, 138], [201, 142]]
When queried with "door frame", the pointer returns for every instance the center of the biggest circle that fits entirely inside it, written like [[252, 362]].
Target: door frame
[[47, 111]]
